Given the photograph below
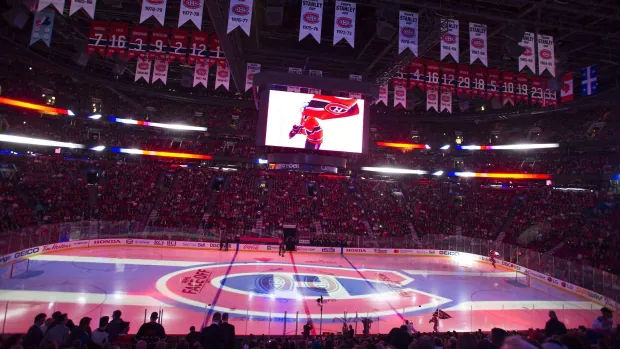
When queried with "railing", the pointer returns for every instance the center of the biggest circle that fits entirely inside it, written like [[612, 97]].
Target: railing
[[594, 279]]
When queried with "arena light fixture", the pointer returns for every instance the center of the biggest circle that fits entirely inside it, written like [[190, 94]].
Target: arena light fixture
[[500, 175], [445, 147], [178, 127], [438, 173], [522, 146], [405, 146], [394, 170], [165, 154], [46, 109], [98, 148], [38, 141], [94, 116]]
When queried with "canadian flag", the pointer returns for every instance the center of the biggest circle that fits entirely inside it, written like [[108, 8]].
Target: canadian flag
[[566, 94]]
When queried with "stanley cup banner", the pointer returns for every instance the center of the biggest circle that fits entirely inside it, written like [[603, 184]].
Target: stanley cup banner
[[143, 69], [250, 70], [155, 8], [178, 45], [160, 71], [526, 59], [117, 43], [449, 30], [408, 32], [478, 43], [521, 89], [492, 84], [546, 55], [191, 10], [383, 94], [240, 15], [42, 26], [432, 98], [97, 37], [463, 85], [201, 73], [87, 5], [445, 102], [138, 43], [222, 74], [416, 74], [59, 5], [311, 19], [508, 88], [344, 22], [448, 72], [400, 96]]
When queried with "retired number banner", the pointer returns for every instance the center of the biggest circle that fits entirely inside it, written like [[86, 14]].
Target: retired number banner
[[416, 74], [215, 50], [432, 73], [522, 90], [98, 37], [478, 82], [492, 83], [198, 48], [508, 88], [178, 46], [159, 43], [119, 32], [138, 43], [400, 79], [448, 73], [536, 92], [550, 96], [463, 87]]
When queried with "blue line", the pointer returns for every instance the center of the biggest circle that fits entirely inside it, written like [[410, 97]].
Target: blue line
[[219, 290], [373, 287]]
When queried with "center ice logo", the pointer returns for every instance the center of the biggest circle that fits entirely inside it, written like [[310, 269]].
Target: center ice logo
[[270, 289]]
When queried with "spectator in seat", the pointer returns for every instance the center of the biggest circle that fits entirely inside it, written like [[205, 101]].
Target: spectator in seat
[[228, 332], [35, 333], [114, 327], [193, 336], [151, 332], [58, 332], [554, 326], [82, 333], [211, 336], [100, 336], [605, 322]]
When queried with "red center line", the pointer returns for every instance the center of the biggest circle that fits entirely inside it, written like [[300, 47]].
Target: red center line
[[306, 308]]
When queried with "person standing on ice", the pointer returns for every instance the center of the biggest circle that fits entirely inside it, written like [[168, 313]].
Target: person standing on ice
[[435, 321]]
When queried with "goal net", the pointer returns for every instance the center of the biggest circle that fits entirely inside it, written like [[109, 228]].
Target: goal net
[[19, 267]]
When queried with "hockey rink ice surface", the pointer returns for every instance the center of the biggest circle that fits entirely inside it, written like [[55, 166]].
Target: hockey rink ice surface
[[261, 289]]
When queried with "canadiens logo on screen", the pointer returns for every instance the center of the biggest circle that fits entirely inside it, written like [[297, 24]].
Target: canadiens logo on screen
[[336, 108], [191, 3], [254, 288], [311, 17], [241, 9]]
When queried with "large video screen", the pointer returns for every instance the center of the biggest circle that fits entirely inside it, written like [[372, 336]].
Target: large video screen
[[309, 121]]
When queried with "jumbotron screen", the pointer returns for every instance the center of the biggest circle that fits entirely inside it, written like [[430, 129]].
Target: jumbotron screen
[[309, 121]]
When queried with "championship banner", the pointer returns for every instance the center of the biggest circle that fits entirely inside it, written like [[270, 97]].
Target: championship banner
[[478, 43], [87, 5], [315, 73], [198, 48], [400, 96], [97, 37], [416, 74], [446, 99], [222, 75], [432, 73], [143, 69], [383, 94], [508, 88], [138, 42], [432, 97], [344, 22], [59, 5], [160, 71], [449, 30], [463, 81], [191, 10], [42, 26], [216, 53], [448, 72], [546, 54], [355, 77], [493, 83], [536, 92], [311, 20], [567, 94], [201, 74], [526, 59], [408, 32], [240, 15], [478, 82], [178, 46], [159, 43], [118, 34], [522, 90], [550, 97], [155, 8], [250, 70]]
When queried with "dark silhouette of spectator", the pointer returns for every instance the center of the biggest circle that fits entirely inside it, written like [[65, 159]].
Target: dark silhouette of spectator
[[193, 336], [35, 333], [211, 336], [58, 331], [151, 332], [228, 332], [114, 327], [82, 332], [554, 326], [100, 336]]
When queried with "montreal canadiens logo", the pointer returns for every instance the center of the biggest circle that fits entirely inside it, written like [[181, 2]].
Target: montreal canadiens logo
[[344, 22], [527, 52], [400, 93], [546, 54], [311, 17], [432, 97], [222, 73], [477, 43], [449, 38], [241, 9], [408, 32], [445, 98], [269, 289], [143, 66], [191, 3], [336, 108], [160, 67], [155, 2], [201, 72]]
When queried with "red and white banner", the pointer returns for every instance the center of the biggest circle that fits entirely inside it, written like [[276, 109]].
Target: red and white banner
[[216, 53], [478, 43], [546, 54], [416, 74], [463, 81], [478, 82], [408, 32], [311, 20], [344, 22], [87, 5], [400, 96], [536, 92], [449, 30], [138, 42], [383, 94], [550, 97], [493, 83], [222, 74], [178, 45], [201, 73], [59, 5], [160, 71], [432, 73], [240, 15], [143, 69], [566, 94], [355, 77], [118, 34], [508, 88], [432, 98], [159, 43], [522, 90], [191, 10], [448, 80], [198, 48], [250, 70], [155, 8], [315, 73], [446, 100], [527, 58], [97, 37], [399, 79]]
